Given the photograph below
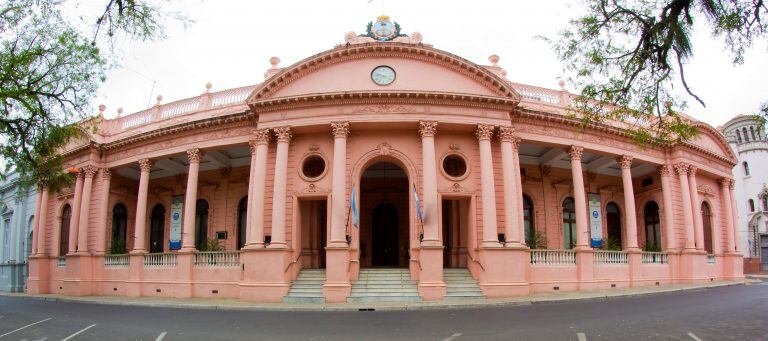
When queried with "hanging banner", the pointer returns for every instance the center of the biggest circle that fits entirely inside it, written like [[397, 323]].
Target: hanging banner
[[177, 205], [595, 220]]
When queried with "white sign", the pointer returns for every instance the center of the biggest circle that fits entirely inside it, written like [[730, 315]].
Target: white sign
[[595, 220], [177, 205]]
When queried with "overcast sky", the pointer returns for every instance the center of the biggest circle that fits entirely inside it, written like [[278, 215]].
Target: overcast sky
[[230, 43]]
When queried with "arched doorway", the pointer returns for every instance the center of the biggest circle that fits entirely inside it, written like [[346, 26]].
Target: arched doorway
[[569, 223], [201, 224], [119, 243], [384, 203], [706, 219], [66, 215], [652, 226], [613, 220], [157, 229], [242, 220]]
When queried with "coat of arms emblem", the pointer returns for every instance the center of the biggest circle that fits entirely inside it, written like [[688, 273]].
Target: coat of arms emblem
[[383, 29]]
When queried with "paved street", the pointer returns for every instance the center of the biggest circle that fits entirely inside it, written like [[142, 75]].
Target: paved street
[[725, 313]]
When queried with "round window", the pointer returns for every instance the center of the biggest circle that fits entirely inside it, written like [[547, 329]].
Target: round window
[[455, 166], [313, 166]]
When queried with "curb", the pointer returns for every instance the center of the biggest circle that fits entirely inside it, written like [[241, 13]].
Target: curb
[[488, 303]]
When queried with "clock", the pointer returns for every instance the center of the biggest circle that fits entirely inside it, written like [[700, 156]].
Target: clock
[[383, 75]]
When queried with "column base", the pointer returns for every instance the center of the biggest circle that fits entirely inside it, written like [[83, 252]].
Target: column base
[[78, 280], [487, 244], [337, 286], [265, 278], [506, 271], [431, 283], [39, 275], [585, 264], [135, 275]]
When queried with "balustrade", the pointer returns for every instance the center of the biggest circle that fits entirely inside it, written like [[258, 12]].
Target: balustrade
[[117, 261], [160, 260], [610, 257], [217, 259], [553, 257], [655, 258]]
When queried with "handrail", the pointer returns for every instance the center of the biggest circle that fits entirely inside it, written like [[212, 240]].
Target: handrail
[[292, 262], [410, 257], [476, 261]]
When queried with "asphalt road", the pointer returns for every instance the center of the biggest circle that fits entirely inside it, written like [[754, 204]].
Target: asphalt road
[[726, 313]]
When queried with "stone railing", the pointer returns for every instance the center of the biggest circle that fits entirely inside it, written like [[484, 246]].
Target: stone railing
[[610, 257], [160, 260], [117, 261], [553, 257], [543, 95], [655, 258], [61, 262], [217, 259], [710, 259]]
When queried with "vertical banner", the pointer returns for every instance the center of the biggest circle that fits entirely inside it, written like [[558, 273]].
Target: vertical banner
[[177, 205], [595, 220]]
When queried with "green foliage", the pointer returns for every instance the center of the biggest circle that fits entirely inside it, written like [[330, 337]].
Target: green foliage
[[211, 244], [651, 247], [536, 240], [611, 244], [118, 247], [625, 56]]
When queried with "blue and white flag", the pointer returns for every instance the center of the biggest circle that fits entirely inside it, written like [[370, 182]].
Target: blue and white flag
[[353, 207], [418, 207]]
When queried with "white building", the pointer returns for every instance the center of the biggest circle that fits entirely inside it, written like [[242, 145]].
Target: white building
[[17, 209], [747, 138]]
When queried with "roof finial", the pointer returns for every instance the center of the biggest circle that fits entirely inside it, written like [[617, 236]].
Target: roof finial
[[159, 99], [119, 112], [494, 59], [102, 107], [208, 87], [274, 61]]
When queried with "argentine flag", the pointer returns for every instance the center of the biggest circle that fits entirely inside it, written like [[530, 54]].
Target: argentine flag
[[418, 207], [353, 207]]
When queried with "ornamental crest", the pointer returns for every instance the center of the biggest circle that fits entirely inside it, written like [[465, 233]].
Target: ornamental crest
[[383, 29]]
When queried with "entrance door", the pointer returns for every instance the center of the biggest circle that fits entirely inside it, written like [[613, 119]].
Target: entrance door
[[314, 223], [384, 221], [156, 229], [764, 251], [385, 235], [455, 235], [569, 223]]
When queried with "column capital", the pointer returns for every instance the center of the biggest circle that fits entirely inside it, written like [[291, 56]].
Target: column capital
[[260, 136], [89, 171], [484, 131], [507, 134], [692, 170], [340, 129], [726, 183], [146, 165], [575, 152], [194, 155], [283, 134], [664, 170], [106, 173], [625, 161], [427, 128], [80, 175], [681, 168]]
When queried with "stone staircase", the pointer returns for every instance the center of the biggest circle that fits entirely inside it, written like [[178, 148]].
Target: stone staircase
[[384, 285], [307, 288], [460, 285]]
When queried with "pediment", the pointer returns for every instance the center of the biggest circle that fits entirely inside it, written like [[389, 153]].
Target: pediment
[[712, 141]]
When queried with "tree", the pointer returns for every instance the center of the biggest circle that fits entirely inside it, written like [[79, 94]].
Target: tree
[[626, 55], [49, 69]]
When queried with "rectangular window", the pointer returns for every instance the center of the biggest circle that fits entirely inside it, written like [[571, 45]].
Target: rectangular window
[[6, 239]]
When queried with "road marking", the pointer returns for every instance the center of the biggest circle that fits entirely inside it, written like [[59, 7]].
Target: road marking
[[161, 336], [81, 330], [27, 326], [583, 337], [693, 336], [452, 337]]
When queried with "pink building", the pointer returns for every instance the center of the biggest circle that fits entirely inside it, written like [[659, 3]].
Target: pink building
[[269, 172]]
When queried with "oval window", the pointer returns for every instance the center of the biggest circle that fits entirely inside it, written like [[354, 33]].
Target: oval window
[[313, 166], [455, 166]]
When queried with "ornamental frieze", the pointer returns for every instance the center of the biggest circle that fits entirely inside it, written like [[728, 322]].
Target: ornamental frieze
[[383, 109]]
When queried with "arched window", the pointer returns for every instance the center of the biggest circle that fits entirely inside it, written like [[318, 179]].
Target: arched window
[[569, 223], [765, 203], [744, 131], [652, 226], [201, 223], [751, 205], [752, 131], [30, 235], [157, 229], [528, 218], [613, 220], [119, 229], [746, 168], [66, 215], [738, 135], [706, 220], [242, 214]]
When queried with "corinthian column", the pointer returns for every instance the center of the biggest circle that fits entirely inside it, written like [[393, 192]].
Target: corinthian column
[[682, 175], [140, 226], [579, 196], [340, 131], [725, 185], [669, 221], [735, 218], [85, 208], [42, 224], [427, 130], [36, 222], [490, 229], [75, 218], [101, 240], [696, 208], [280, 187], [509, 175], [629, 201], [190, 201], [259, 149]]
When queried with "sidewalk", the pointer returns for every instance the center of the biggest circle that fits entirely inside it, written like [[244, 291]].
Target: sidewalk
[[234, 304]]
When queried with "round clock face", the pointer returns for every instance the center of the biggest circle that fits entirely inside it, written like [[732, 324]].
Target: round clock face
[[383, 75]]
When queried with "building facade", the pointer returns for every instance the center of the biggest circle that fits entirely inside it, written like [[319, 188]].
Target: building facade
[[382, 152], [18, 207], [746, 136]]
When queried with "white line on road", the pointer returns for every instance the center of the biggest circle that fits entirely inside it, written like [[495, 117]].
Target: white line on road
[[693, 336], [581, 336], [81, 330], [452, 337], [161, 336], [29, 325]]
